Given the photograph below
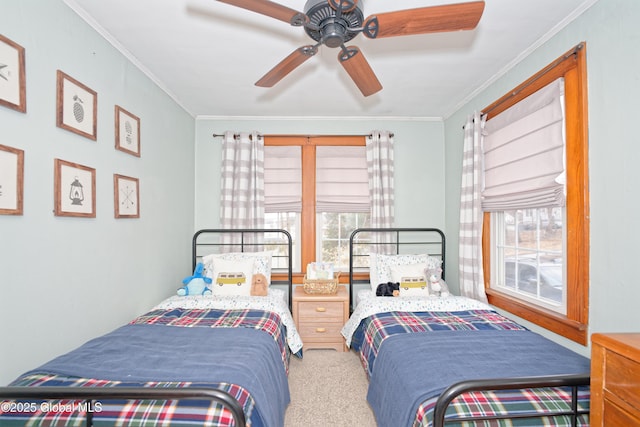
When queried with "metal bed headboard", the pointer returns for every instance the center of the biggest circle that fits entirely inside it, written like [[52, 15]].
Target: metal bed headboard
[[397, 241], [217, 240]]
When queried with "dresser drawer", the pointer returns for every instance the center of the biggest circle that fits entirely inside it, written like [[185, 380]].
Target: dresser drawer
[[622, 377], [319, 331], [616, 416], [319, 310]]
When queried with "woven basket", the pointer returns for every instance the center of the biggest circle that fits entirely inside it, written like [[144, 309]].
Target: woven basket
[[321, 286]]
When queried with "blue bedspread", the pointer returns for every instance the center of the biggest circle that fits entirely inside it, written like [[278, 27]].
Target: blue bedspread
[[413, 367], [246, 357]]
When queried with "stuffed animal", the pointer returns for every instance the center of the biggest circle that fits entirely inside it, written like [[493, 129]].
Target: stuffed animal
[[437, 286], [388, 289], [196, 284], [259, 285]]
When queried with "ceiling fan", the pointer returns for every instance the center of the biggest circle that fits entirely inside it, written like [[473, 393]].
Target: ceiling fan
[[334, 22]]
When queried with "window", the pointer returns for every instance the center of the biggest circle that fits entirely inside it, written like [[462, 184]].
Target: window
[[536, 259], [529, 256], [322, 192]]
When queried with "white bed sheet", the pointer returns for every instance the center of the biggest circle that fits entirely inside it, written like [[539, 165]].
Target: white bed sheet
[[274, 301]]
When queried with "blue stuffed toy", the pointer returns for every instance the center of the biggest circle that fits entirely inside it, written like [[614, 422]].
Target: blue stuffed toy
[[196, 284]]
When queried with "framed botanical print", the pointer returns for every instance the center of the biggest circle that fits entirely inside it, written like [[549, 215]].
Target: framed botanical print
[[11, 180], [126, 196], [76, 107], [13, 92], [74, 189], [127, 132]]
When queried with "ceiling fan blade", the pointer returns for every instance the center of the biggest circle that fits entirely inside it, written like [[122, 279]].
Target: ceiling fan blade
[[287, 65], [433, 19], [360, 71], [269, 8]]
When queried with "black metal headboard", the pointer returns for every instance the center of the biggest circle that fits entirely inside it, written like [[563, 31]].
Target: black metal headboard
[[392, 241], [216, 240]]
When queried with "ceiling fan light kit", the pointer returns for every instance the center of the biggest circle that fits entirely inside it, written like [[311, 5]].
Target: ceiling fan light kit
[[334, 22]]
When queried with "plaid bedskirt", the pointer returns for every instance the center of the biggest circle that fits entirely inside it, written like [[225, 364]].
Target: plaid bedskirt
[[509, 402], [133, 413]]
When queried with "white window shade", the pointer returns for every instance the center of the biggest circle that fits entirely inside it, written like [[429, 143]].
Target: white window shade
[[524, 153], [282, 179], [342, 181]]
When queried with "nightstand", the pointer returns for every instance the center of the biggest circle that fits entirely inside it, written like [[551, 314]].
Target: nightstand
[[320, 317]]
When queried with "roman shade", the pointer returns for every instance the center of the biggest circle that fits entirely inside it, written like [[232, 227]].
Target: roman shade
[[342, 180], [524, 153], [282, 179]]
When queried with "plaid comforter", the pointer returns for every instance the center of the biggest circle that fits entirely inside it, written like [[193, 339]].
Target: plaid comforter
[[149, 412], [376, 328], [373, 331], [266, 321]]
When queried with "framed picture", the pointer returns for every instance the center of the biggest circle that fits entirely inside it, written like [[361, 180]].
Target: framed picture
[[126, 196], [127, 132], [74, 189], [76, 107], [13, 87], [11, 180]]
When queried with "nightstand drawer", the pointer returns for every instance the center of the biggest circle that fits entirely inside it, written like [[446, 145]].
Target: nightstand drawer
[[320, 331], [319, 310]]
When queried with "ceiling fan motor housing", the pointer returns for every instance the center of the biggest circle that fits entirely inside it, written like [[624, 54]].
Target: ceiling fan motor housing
[[327, 28]]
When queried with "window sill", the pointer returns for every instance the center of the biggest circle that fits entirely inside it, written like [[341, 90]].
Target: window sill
[[554, 322]]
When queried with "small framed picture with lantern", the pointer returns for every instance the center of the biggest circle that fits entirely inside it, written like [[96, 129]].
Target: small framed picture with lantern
[[74, 189], [76, 107]]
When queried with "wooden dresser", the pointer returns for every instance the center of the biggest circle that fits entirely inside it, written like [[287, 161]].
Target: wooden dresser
[[615, 379], [319, 318]]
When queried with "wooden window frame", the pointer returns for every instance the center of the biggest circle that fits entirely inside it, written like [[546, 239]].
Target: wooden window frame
[[308, 146], [574, 325]]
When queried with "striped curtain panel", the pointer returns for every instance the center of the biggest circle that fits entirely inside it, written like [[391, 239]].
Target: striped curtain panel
[[380, 166], [242, 192], [471, 277]]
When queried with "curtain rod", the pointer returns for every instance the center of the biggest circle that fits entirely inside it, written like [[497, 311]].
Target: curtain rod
[[235, 135]]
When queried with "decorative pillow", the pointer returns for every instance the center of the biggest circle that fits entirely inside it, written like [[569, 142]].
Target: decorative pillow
[[261, 260], [232, 277], [406, 270], [383, 264]]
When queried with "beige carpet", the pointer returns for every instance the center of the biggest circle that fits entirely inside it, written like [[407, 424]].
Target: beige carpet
[[328, 388]]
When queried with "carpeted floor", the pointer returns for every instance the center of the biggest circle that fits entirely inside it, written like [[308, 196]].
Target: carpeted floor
[[328, 388]]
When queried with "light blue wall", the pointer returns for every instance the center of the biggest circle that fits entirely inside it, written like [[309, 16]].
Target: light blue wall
[[64, 280], [418, 153], [612, 34]]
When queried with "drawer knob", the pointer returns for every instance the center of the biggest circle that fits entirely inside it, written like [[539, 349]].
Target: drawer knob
[[321, 330], [321, 309]]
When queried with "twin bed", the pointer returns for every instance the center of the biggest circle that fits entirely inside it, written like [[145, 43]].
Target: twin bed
[[190, 361], [223, 361], [436, 360]]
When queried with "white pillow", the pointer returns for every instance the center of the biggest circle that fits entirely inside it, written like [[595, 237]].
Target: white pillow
[[383, 264], [262, 262], [373, 271], [232, 277]]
